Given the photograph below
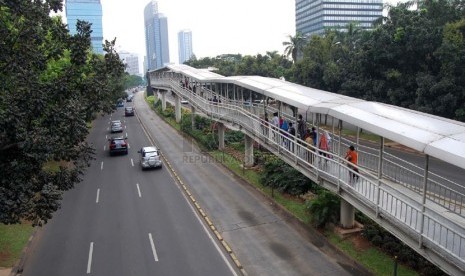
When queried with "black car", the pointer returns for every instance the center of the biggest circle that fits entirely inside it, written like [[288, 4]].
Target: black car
[[129, 111], [118, 145]]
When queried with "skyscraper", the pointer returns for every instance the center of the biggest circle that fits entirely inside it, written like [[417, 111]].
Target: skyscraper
[[90, 11], [156, 36], [314, 16], [184, 45], [131, 61]]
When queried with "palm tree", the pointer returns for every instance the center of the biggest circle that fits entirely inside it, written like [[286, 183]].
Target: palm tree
[[294, 45]]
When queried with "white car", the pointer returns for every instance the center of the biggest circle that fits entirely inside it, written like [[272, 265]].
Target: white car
[[150, 157], [116, 126]]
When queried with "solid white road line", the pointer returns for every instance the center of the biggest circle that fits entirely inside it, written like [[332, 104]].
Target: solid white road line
[[155, 256], [106, 137], [138, 190], [105, 148], [89, 262], [132, 162], [101, 166], [98, 194]]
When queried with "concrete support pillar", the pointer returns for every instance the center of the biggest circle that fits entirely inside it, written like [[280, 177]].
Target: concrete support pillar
[[347, 215], [163, 100], [177, 108], [221, 129], [193, 116], [249, 161]]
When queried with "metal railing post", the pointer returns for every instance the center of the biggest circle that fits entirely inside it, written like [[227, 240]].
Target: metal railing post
[[425, 184]]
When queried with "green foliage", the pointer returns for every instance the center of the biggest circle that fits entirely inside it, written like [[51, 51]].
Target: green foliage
[[282, 177], [394, 247], [231, 136], [51, 86], [414, 59], [269, 65], [131, 81], [324, 208]]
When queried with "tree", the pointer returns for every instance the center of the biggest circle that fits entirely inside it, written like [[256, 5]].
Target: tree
[[131, 81], [50, 87], [294, 46]]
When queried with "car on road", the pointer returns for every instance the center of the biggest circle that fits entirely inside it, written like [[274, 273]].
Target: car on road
[[116, 126], [129, 111], [119, 104], [129, 98], [184, 101], [118, 145], [150, 158]]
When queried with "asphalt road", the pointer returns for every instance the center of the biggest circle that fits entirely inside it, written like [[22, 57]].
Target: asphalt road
[[124, 221], [265, 240]]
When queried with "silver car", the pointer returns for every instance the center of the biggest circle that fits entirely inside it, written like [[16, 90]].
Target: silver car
[[150, 158], [116, 126]]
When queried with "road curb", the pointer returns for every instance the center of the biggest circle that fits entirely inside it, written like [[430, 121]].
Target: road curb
[[19, 265]]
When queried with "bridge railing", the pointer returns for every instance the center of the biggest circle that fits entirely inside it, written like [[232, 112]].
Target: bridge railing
[[444, 192], [417, 220]]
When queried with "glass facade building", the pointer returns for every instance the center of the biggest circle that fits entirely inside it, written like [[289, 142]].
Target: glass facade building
[[184, 45], [156, 36], [314, 16], [89, 11]]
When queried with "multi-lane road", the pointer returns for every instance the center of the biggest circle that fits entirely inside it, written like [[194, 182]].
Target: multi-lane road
[[124, 221]]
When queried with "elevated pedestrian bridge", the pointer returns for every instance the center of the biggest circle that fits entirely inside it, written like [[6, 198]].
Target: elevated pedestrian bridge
[[423, 209]]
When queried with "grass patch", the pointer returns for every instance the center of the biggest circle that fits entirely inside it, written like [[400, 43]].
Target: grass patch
[[372, 258], [13, 238]]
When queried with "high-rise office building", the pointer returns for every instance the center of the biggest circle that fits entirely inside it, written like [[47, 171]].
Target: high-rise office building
[[184, 45], [89, 11], [314, 16], [131, 61], [156, 36]]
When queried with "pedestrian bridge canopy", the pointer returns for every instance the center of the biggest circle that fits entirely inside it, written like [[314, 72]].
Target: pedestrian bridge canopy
[[418, 201]]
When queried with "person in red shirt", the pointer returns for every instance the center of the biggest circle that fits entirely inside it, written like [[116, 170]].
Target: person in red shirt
[[352, 157]]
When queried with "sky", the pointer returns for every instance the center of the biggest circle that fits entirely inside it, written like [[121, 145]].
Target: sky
[[247, 27]]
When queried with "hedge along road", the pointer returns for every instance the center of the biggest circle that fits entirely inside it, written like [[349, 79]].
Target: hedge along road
[[124, 221], [264, 239]]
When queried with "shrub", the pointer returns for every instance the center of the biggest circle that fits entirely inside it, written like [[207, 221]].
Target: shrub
[[377, 240], [282, 177], [233, 137], [324, 208]]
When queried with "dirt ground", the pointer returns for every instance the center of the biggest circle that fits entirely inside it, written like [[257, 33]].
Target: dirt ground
[[5, 271], [360, 243]]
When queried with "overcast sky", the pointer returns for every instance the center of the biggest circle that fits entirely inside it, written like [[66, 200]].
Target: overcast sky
[[218, 26], [247, 27]]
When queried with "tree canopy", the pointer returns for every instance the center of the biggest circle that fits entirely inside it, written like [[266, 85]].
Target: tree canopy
[[413, 58], [51, 87]]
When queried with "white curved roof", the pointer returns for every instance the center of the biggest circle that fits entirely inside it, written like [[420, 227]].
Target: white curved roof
[[198, 74], [436, 136]]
